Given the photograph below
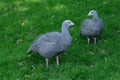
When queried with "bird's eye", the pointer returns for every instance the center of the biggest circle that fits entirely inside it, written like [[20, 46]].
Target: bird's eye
[[69, 22], [92, 12]]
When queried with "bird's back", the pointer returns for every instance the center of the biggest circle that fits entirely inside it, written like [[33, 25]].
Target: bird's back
[[49, 44], [91, 27]]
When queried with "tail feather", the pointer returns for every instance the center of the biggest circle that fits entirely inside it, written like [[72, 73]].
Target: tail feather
[[29, 50]]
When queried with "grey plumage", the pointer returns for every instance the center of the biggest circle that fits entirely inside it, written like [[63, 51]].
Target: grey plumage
[[92, 28], [52, 43]]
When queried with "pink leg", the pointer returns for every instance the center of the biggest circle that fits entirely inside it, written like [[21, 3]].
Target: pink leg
[[57, 60], [46, 59], [88, 39]]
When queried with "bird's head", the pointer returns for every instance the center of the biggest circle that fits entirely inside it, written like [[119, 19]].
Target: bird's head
[[92, 13], [67, 23]]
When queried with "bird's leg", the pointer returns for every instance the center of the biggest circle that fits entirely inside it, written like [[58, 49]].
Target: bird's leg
[[57, 60], [95, 40], [46, 59], [88, 39]]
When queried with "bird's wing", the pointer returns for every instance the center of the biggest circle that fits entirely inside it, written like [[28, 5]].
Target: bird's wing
[[48, 44], [99, 26], [86, 23], [86, 27]]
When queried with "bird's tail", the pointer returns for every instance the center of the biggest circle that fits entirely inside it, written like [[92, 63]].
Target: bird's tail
[[29, 50]]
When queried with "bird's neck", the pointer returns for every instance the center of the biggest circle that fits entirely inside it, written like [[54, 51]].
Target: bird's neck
[[65, 30], [96, 17]]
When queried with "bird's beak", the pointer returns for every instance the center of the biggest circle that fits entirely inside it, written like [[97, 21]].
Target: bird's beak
[[72, 24], [89, 14]]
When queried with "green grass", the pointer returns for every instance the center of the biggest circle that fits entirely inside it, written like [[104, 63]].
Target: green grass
[[21, 21]]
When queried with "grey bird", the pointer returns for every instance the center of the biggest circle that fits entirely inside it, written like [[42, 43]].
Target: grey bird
[[52, 43], [92, 28]]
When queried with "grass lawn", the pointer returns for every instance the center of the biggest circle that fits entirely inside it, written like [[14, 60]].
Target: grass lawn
[[21, 21]]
